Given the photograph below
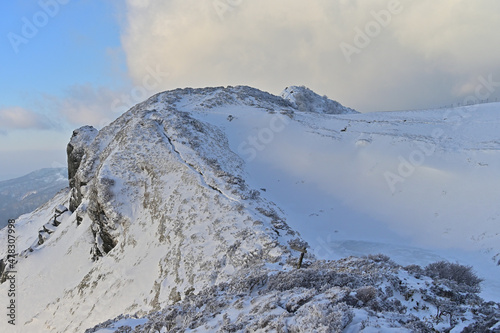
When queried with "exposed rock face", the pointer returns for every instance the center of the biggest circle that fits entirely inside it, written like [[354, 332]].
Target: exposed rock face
[[50, 227], [2, 269], [75, 150], [306, 100]]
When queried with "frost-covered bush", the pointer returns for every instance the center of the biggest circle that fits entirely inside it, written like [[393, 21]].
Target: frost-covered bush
[[487, 319], [415, 324], [415, 270], [328, 296], [322, 318], [453, 271], [366, 294], [379, 257]]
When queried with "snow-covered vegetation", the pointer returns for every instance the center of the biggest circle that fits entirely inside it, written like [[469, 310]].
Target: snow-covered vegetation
[[348, 295], [190, 212]]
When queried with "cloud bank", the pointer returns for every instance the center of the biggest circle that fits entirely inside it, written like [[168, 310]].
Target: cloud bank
[[423, 54], [89, 105], [17, 118]]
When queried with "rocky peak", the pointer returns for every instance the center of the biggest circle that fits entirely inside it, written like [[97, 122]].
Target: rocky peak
[[160, 193], [306, 100], [75, 150]]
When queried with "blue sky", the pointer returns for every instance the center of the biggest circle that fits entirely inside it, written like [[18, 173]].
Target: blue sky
[[73, 47], [79, 45], [68, 63], [82, 32]]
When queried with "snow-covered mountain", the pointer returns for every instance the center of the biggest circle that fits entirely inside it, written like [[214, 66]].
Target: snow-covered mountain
[[24, 194], [196, 193]]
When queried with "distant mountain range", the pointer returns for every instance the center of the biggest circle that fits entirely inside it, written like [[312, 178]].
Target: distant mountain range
[[24, 194]]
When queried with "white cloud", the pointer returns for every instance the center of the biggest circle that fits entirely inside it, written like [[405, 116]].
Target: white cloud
[[462, 34], [88, 105], [13, 118], [423, 56], [80, 105]]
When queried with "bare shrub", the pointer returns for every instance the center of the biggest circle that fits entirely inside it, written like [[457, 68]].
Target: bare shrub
[[379, 257], [461, 274], [366, 294], [416, 270]]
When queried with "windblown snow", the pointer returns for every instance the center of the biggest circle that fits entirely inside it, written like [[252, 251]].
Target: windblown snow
[[188, 213]]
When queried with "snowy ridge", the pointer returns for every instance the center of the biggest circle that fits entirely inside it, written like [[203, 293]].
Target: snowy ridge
[[150, 207], [197, 191]]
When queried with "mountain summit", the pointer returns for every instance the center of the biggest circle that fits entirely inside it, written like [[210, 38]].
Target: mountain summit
[[233, 192], [158, 208], [306, 100]]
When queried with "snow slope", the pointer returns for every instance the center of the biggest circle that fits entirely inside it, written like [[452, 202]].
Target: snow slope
[[398, 180], [197, 187], [421, 178]]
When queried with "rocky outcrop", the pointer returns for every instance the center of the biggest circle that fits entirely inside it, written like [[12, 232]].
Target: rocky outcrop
[[51, 226], [75, 150], [306, 100]]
